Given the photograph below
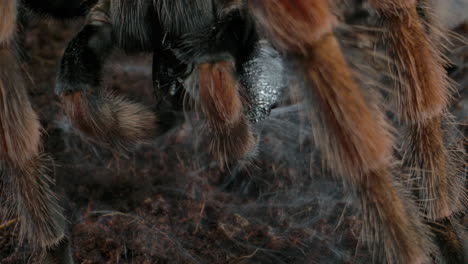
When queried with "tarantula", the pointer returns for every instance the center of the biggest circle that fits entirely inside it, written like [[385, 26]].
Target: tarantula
[[210, 51]]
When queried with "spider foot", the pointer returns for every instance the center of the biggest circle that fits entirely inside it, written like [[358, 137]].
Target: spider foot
[[110, 118]]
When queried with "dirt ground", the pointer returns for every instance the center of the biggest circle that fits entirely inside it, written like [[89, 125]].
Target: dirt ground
[[167, 202]]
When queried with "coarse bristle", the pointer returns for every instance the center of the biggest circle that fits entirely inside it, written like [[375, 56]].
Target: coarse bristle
[[32, 200], [19, 125], [220, 103], [7, 20], [293, 25], [392, 6], [423, 87], [389, 221], [110, 118], [353, 139]]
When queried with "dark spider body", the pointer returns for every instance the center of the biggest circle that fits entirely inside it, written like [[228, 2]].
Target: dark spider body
[[214, 53], [194, 38]]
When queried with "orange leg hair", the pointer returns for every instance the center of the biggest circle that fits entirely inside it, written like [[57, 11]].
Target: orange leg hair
[[355, 141]]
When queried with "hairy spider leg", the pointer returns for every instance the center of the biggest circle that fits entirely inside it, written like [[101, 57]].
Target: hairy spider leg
[[214, 44], [355, 142], [230, 136], [25, 171], [98, 113], [423, 91]]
